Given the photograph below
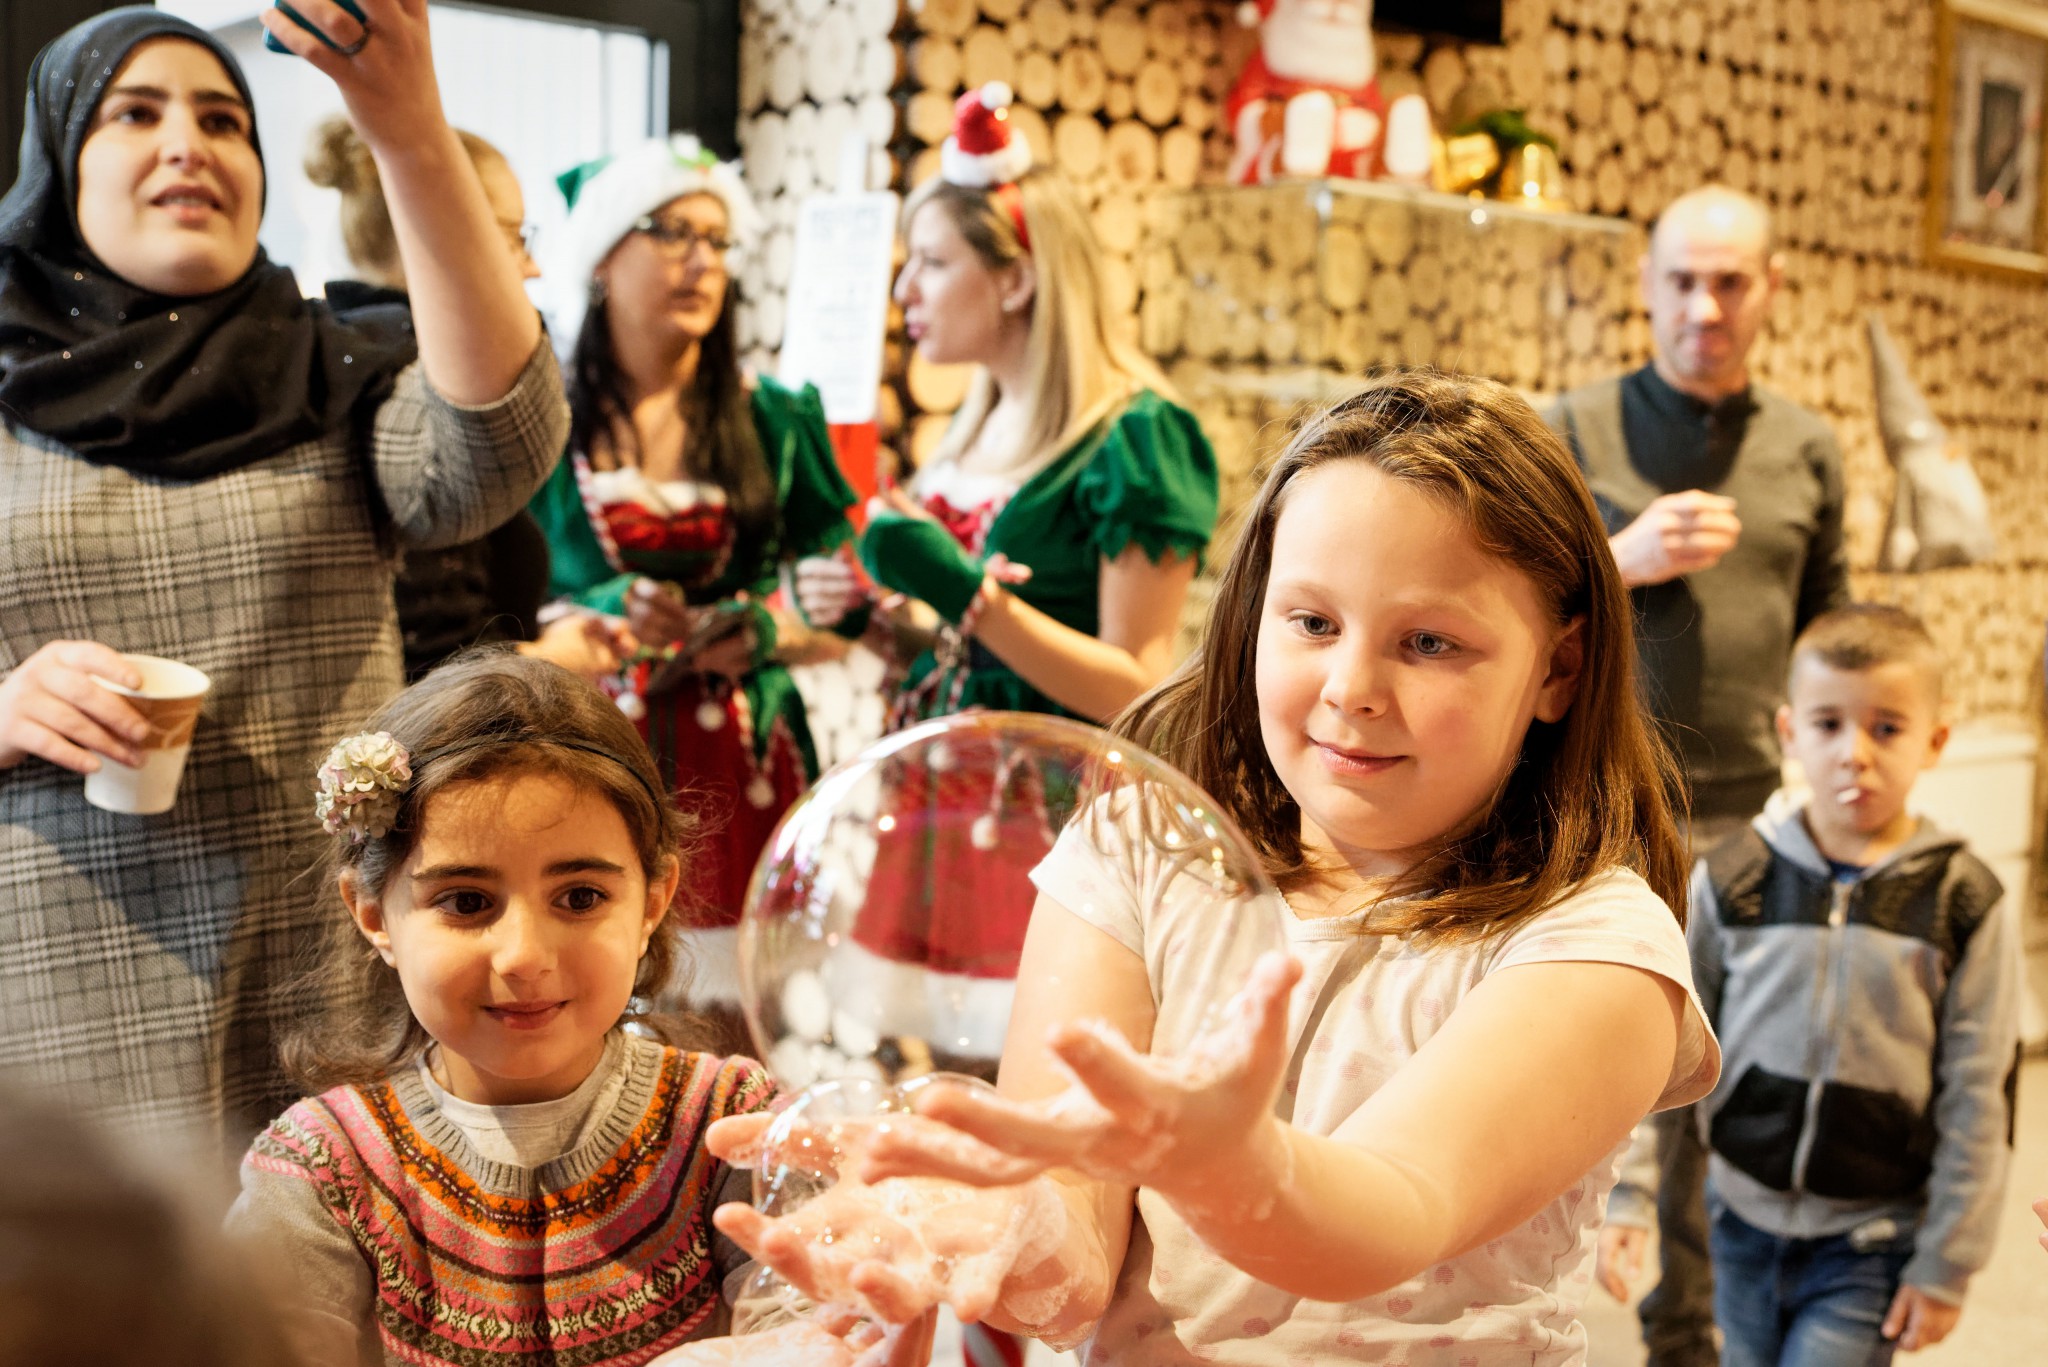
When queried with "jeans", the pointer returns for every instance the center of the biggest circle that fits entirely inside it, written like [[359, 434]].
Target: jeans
[[1802, 1302]]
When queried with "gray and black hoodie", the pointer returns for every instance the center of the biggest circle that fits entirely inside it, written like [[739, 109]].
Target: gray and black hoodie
[[1870, 1031]]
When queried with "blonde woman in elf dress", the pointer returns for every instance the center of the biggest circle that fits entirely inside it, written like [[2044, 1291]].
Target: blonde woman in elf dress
[[687, 486]]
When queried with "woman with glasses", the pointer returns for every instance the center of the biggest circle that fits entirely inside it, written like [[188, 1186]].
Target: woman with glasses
[[492, 588], [688, 485]]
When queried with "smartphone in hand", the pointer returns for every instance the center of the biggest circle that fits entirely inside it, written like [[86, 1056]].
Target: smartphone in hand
[[271, 42]]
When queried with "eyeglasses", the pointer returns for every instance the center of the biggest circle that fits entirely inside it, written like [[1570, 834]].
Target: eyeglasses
[[681, 239]]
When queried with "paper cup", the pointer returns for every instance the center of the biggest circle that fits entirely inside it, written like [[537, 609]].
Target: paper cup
[[169, 697]]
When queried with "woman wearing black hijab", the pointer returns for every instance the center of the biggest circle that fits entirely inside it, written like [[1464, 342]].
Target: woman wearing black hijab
[[197, 463]]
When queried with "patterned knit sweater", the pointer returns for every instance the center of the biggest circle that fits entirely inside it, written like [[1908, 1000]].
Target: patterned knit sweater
[[408, 1246]]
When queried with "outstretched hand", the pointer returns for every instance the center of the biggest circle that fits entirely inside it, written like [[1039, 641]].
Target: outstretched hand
[[1918, 1320], [896, 1247], [1189, 1126]]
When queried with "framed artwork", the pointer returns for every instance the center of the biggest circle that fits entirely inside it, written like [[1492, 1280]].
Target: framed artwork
[[1985, 203]]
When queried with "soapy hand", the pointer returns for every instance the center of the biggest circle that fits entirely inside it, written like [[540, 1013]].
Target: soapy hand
[[1191, 1127], [834, 1336], [895, 1247]]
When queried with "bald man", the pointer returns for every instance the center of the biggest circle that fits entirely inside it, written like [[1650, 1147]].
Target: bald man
[[1723, 503]]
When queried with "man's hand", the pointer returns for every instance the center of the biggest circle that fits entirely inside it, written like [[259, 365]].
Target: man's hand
[[1618, 1258], [1676, 535], [1917, 1320]]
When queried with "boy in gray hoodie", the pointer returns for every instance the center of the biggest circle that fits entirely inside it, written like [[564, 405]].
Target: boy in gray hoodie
[[1862, 979]]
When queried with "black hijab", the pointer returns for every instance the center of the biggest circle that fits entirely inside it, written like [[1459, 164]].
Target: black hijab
[[179, 388]]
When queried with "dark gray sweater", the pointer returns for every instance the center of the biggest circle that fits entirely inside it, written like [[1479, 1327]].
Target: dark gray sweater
[[1715, 645]]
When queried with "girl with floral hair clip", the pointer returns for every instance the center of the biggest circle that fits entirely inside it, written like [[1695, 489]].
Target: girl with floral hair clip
[[495, 1169]]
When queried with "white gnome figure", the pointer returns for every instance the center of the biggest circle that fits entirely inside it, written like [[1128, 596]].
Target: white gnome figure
[[1306, 103], [1940, 516]]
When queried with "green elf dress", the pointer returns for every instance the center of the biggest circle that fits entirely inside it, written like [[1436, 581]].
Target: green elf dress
[[736, 756], [954, 897]]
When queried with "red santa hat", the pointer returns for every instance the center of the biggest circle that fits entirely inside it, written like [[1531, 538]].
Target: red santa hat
[[984, 151]]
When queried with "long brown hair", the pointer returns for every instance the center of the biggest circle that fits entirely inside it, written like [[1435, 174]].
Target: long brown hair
[[1590, 792], [484, 714], [1081, 367]]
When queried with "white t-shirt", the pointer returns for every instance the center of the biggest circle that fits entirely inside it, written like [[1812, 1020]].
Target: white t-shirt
[[1364, 1006]]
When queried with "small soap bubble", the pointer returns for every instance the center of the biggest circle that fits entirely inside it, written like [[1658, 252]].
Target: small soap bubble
[[78, 275], [138, 365], [348, 360], [174, 317], [74, 313], [67, 355]]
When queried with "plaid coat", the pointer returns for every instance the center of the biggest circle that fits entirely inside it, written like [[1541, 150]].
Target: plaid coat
[[143, 958]]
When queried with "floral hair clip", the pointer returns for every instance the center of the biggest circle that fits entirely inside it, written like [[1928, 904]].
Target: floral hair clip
[[362, 782]]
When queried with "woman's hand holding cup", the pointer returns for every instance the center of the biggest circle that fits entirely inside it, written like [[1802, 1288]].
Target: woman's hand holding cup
[[51, 707], [382, 63]]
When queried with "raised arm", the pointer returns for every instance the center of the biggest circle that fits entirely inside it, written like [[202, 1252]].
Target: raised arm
[[476, 328]]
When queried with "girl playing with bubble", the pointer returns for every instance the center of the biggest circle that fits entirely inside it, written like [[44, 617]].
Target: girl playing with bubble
[[493, 1168], [1397, 1142]]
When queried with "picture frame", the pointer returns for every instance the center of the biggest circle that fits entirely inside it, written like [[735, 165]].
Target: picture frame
[[1987, 201]]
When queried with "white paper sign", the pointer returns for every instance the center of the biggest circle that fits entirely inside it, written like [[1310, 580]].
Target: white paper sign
[[838, 304]]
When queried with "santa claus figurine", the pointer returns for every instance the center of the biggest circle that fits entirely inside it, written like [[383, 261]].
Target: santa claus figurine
[[1306, 103]]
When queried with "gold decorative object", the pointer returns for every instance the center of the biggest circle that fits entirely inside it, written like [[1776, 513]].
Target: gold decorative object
[[1465, 162], [1532, 178]]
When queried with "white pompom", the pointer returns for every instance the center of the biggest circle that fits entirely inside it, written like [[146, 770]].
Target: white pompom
[[1248, 15], [983, 833], [996, 95], [633, 706]]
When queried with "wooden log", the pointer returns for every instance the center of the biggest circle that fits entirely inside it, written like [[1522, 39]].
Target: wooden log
[[947, 18], [876, 18], [1017, 33], [777, 257], [1083, 79], [1077, 146], [1038, 80], [936, 388], [924, 166], [986, 56], [1027, 123], [806, 157], [1343, 268], [1119, 283], [935, 64], [806, 13], [878, 119], [1646, 75], [1180, 157], [1001, 12], [767, 150], [785, 76], [1119, 221], [1161, 319], [753, 73], [1390, 234], [1120, 38], [1052, 24], [1198, 113], [768, 315], [828, 75], [1425, 278], [929, 116], [1118, 100], [878, 66], [1158, 92], [1131, 153], [1443, 75], [837, 121]]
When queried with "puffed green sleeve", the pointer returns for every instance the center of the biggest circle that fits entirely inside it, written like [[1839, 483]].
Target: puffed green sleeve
[[1153, 482], [813, 494], [578, 569]]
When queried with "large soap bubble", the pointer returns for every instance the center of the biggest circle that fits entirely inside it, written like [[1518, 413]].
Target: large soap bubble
[[881, 936]]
